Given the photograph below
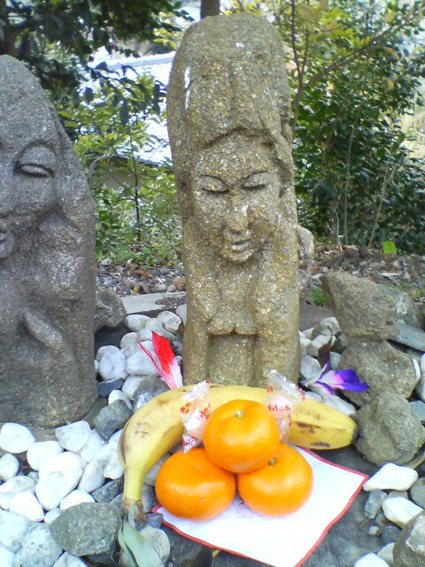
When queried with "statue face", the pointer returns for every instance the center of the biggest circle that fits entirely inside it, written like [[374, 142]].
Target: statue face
[[28, 155], [236, 195]]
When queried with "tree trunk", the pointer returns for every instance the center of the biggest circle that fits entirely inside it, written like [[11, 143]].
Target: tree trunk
[[210, 8]]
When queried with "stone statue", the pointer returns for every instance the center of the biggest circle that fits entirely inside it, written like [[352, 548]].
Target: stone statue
[[228, 120], [47, 263]]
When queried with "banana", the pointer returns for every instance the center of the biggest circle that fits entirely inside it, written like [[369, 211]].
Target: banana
[[156, 427]]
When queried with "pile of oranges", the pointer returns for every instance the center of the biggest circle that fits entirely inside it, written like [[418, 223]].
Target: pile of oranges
[[241, 438]]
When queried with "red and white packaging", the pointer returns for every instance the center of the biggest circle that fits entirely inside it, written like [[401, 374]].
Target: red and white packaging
[[282, 397], [194, 413]]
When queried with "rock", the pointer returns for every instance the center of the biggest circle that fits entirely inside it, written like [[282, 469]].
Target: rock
[[334, 360], [74, 436], [409, 550], [51, 515], [12, 530], [61, 462], [410, 336], [15, 438], [318, 344], [400, 510], [327, 327], [113, 468], [159, 541], [39, 453], [417, 492], [388, 430], [109, 309], [170, 321], [111, 418], [52, 488], [109, 491], [153, 473], [305, 257], [26, 504], [12, 487], [149, 388], [310, 369], [391, 476], [7, 558], [304, 344], [148, 497], [181, 311], [119, 395], [93, 477], [130, 386], [374, 503], [419, 408], [153, 303], [139, 363], [112, 365], [136, 322], [68, 560], [386, 553], [92, 447], [128, 340], [9, 466], [39, 549], [371, 560], [106, 349], [88, 529], [105, 388], [390, 533], [75, 497]]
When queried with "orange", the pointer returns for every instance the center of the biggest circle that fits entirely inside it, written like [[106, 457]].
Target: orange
[[241, 436], [190, 486], [279, 488]]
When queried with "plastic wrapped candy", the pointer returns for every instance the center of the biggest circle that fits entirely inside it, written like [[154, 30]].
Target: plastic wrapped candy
[[194, 412], [282, 397]]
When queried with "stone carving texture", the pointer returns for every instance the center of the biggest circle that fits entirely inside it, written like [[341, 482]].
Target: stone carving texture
[[228, 114], [47, 264]]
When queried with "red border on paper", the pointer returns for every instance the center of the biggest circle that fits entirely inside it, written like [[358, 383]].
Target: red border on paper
[[318, 542]]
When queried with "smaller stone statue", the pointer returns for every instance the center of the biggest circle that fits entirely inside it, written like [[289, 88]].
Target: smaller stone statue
[[47, 263], [228, 119]]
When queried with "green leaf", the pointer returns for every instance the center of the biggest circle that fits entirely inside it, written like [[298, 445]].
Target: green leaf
[[389, 16], [137, 547], [389, 247]]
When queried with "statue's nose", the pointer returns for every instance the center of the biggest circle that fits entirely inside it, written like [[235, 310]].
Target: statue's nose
[[237, 217]]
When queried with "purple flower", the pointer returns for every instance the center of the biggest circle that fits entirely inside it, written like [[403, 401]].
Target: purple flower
[[332, 380]]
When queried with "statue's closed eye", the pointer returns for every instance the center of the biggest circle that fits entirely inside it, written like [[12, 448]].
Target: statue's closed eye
[[257, 180], [211, 184], [37, 161]]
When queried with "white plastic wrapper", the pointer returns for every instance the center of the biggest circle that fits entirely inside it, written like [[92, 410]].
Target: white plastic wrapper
[[282, 397], [194, 412]]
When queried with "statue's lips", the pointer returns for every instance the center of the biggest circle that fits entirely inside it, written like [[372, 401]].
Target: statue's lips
[[239, 245]]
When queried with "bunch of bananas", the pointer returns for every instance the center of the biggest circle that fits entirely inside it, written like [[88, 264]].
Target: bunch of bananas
[[156, 427]]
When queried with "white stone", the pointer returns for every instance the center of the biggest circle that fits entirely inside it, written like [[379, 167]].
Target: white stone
[[159, 540], [53, 487], [12, 487], [310, 369], [112, 366], [181, 311], [318, 343], [15, 438], [9, 466], [392, 477], [26, 504], [92, 477], [334, 360], [308, 333], [96, 366], [51, 515], [68, 560], [136, 322], [40, 452], [128, 339], [119, 395], [170, 321], [12, 530], [387, 553], [304, 344], [328, 326], [335, 401], [75, 497], [130, 386], [108, 349], [7, 558], [92, 447], [313, 396], [139, 364], [73, 436], [113, 468], [61, 462], [371, 560], [154, 325], [400, 510]]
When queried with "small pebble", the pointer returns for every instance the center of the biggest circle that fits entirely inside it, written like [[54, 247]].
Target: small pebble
[[68, 560], [26, 504], [39, 549], [53, 487], [170, 321], [417, 492], [159, 541], [130, 386], [92, 447], [111, 418], [128, 339], [400, 510], [7, 558], [119, 395], [12, 530], [391, 476], [61, 462], [9, 467], [75, 497], [374, 503], [112, 365], [386, 553], [93, 477], [390, 533], [39, 453], [136, 322], [106, 387], [419, 407], [74, 436], [52, 515], [15, 438], [108, 349], [373, 530], [371, 560], [12, 487]]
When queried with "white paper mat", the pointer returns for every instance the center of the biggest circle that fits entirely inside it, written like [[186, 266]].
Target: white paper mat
[[279, 542]]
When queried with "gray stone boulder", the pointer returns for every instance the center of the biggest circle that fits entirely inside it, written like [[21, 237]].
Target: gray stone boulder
[[389, 430], [409, 550], [39, 549], [110, 310], [89, 530]]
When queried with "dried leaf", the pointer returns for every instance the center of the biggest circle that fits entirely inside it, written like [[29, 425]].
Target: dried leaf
[[138, 548]]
